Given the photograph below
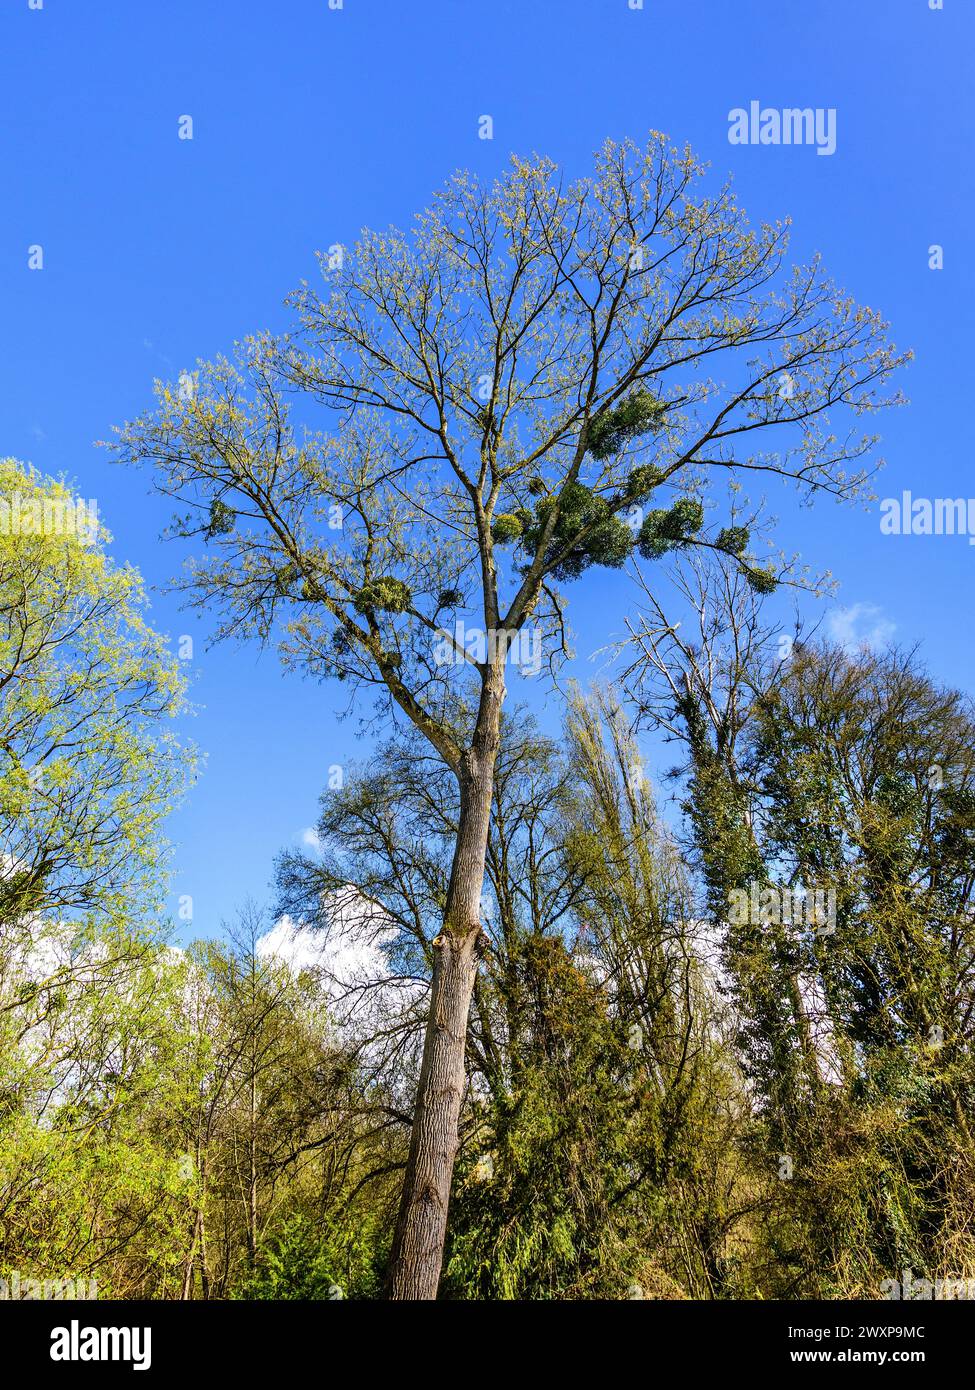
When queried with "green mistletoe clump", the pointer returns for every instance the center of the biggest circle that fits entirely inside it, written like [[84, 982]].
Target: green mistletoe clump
[[383, 596]]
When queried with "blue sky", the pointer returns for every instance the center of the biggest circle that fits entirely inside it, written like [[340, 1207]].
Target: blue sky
[[310, 123]]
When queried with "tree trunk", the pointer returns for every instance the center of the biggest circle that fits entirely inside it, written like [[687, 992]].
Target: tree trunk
[[421, 1228], [187, 1290], [252, 1175]]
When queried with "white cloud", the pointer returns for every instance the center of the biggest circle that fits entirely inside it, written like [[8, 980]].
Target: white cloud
[[310, 838], [368, 1002], [860, 625]]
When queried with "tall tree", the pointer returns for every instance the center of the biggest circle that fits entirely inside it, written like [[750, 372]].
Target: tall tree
[[529, 367], [597, 1081]]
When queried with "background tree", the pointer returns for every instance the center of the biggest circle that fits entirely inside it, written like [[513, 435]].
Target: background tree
[[266, 1110], [89, 767], [817, 768], [534, 362], [866, 770], [189, 1125]]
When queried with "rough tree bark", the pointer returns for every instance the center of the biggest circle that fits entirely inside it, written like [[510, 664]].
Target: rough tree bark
[[421, 1228]]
